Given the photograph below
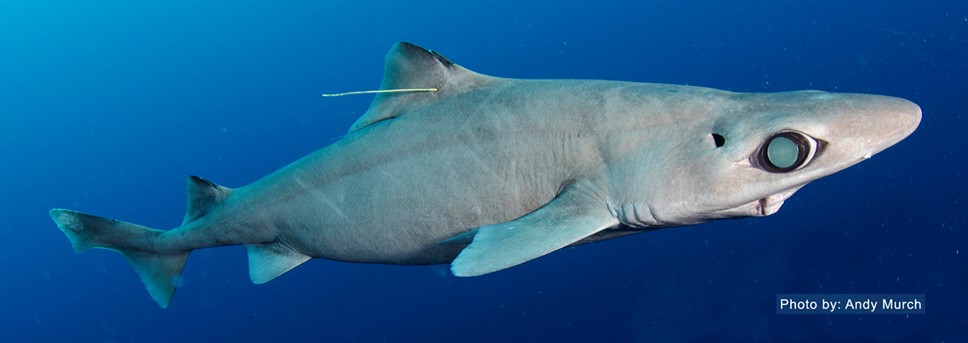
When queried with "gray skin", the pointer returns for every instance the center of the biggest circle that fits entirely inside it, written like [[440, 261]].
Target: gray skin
[[487, 172]]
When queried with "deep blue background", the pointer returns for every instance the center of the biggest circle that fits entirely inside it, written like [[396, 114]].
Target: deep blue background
[[106, 107]]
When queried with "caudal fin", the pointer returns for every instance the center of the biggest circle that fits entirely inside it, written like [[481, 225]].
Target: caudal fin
[[159, 272]]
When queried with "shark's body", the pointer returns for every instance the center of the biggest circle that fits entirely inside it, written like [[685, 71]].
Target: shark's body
[[495, 172]]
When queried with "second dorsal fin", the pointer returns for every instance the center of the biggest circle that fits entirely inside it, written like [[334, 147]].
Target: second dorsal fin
[[411, 67], [203, 195]]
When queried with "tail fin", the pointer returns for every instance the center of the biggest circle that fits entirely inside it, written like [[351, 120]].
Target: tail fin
[[159, 272]]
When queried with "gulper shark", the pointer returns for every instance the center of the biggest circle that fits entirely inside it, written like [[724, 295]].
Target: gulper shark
[[486, 173]]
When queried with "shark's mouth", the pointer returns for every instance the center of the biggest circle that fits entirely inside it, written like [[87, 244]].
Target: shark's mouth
[[758, 207], [768, 206], [771, 204]]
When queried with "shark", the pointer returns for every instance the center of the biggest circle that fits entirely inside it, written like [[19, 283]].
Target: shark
[[485, 173]]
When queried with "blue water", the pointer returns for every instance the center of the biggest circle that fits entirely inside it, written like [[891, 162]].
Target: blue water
[[106, 107]]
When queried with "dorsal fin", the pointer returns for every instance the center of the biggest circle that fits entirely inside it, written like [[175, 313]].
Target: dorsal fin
[[203, 195], [410, 66]]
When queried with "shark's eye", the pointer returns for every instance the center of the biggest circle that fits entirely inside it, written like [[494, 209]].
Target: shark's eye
[[786, 151]]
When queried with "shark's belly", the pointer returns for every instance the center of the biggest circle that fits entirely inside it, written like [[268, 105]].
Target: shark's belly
[[396, 213], [394, 205]]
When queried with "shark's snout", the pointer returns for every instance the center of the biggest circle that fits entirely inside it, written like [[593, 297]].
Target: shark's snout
[[892, 122], [867, 125], [908, 117]]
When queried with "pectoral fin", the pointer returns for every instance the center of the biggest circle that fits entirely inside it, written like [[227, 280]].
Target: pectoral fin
[[567, 219]]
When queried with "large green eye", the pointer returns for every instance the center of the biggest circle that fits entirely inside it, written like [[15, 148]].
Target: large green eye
[[782, 152], [786, 151]]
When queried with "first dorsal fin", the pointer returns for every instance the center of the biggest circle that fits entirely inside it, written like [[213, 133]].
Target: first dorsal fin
[[203, 195], [411, 67]]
